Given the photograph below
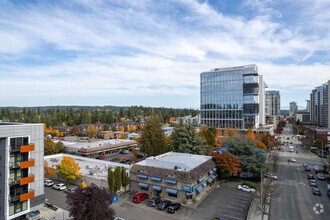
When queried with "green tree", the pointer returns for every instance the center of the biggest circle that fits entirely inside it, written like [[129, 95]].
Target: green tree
[[208, 135], [118, 178], [186, 140], [243, 149], [105, 127], [152, 140], [49, 146], [111, 180], [59, 147], [125, 179]]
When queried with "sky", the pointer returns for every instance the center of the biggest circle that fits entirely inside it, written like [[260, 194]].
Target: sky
[[151, 53]]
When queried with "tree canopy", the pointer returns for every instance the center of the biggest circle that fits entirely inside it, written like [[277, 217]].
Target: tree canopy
[[186, 140], [68, 169], [90, 203], [227, 163]]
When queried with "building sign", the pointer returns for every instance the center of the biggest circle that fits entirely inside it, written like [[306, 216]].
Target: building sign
[[193, 188], [186, 188]]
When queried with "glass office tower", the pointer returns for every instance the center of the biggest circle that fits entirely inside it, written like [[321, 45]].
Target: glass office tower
[[232, 97]]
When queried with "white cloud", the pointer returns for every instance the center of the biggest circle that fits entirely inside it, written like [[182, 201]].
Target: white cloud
[[135, 48]]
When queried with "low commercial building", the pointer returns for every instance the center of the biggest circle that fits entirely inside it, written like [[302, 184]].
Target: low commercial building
[[93, 170], [175, 176], [93, 148]]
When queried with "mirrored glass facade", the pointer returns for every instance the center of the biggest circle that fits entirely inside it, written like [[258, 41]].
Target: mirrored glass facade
[[229, 97]]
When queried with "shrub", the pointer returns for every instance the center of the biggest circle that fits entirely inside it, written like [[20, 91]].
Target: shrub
[[115, 159], [250, 184], [139, 156]]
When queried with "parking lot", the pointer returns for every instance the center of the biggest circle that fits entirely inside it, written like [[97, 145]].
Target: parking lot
[[226, 202]]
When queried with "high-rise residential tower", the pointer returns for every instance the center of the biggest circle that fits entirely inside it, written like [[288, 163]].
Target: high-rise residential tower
[[293, 108], [273, 103], [308, 105], [319, 107], [21, 168], [232, 97]]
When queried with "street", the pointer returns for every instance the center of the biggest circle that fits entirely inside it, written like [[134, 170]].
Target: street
[[295, 199]]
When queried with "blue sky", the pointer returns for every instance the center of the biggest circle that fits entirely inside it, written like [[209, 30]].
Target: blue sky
[[144, 52]]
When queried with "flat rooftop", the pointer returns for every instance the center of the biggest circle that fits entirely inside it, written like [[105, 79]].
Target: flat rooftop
[[93, 168], [94, 143], [175, 161]]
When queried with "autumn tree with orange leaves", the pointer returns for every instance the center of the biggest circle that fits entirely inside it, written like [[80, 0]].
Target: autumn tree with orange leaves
[[92, 131], [218, 138], [227, 163], [250, 134]]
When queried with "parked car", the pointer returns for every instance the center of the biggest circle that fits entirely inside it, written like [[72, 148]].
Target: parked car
[[316, 191], [307, 169], [246, 188], [124, 152], [70, 190], [164, 204], [140, 197], [154, 201], [118, 218], [305, 165], [100, 157], [60, 186], [316, 169], [291, 159], [320, 176], [312, 182], [269, 175], [310, 176], [48, 182], [174, 207]]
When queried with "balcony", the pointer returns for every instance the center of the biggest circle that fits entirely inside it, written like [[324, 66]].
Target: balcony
[[27, 180], [27, 148], [27, 164], [26, 196]]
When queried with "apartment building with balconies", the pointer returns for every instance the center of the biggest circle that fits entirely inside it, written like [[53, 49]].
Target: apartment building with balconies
[[21, 168]]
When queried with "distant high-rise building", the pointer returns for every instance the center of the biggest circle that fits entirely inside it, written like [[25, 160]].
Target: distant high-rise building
[[319, 107], [273, 103], [233, 97], [308, 105], [293, 108], [21, 168]]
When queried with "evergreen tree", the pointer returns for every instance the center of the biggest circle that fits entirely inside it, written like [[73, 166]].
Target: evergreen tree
[[125, 179], [118, 178], [152, 140], [111, 180]]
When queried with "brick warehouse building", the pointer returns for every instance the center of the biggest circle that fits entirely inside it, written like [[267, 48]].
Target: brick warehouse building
[[175, 175]]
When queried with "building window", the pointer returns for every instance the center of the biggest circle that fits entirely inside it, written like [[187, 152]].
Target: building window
[[173, 195], [11, 209]]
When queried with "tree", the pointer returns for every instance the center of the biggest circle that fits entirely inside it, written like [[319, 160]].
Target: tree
[[92, 131], [186, 140], [105, 127], [91, 202], [152, 140], [259, 144], [208, 135], [243, 149], [218, 138], [125, 179], [227, 163], [118, 178], [76, 130], [59, 147], [49, 146], [250, 134], [111, 180], [68, 169]]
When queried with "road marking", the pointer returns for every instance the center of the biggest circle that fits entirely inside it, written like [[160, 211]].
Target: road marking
[[318, 208]]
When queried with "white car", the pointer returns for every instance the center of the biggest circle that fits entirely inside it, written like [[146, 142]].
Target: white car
[[292, 159], [48, 182], [59, 186], [320, 176], [269, 175], [246, 188]]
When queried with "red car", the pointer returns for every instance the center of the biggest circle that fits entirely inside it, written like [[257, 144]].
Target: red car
[[310, 176], [140, 197], [101, 157]]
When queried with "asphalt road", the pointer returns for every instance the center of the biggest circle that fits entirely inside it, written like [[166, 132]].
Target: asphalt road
[[56, 197], [295, 199]]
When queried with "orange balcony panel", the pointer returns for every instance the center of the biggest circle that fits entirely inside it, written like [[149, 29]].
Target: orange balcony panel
[[26, 180], [27, 164], [27, 148], [26, 196]]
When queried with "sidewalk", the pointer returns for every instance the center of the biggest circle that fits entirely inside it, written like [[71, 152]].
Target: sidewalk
[[49, 214]]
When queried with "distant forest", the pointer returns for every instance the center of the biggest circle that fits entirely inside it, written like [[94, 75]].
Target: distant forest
[[75, 115]]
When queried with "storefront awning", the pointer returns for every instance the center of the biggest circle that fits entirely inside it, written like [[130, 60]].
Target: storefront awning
[[142, 176], [158, 179], [143, 185], [210, 172], [190, 193], [200, 188], [200, 180], [209, 180], [204, 185], [173, 191], [170, 181], [157, 188], [214, 169]]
